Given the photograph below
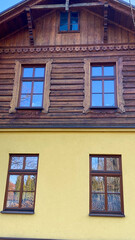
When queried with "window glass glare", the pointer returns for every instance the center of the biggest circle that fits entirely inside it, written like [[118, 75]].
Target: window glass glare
[[97, 163], [96, 71], [64, 21], [37, 100], [31, 162], [26, 87], [108, 70], [17, 162], [109, 86], [96, 100], [25, 100], [74, 21], [14, 182], [113, 184], [98, 184], [28, 72], [29, 182], [109, 100], [27, 200], [114, 202], [39, 72], [38, 87], [112, 164], [97, 86], [13, 200]]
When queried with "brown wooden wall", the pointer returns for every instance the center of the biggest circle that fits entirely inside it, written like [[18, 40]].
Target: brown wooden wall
[[91, 32], [67, 91]]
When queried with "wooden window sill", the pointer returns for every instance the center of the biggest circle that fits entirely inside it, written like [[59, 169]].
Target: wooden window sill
[[29, 108], [69, 31], [106, 215], [17, 212]]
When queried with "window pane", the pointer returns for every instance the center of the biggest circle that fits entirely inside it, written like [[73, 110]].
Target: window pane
[[14, 182], [109, 100], [114, 202], [96, 100], [38, 87], [13, 200], [108, 70], [27, 200], [113, 184], [98, 184], [37, 101], [112, 164], [64, 21], [26, 87], [109, 86], [96, 86], [25, 101], [98, 202], [74, 21], [29, 182], [17, 163], [28, 72], [97, 163], [39, 72], [96, 71], [31, 162]]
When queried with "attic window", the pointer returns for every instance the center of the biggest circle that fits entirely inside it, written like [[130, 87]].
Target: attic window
[[69, 21]]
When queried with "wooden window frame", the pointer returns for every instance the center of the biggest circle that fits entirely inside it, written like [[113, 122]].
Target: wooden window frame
[[88, 62], [69, 20], [20, 172], [17, 83], [103, 78], [31, 79], [104, 173]]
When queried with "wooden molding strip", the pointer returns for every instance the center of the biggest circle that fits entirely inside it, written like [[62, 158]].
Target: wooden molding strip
[[105, 22]]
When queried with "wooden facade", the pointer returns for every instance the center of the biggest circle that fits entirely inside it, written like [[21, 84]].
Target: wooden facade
[[68, 88]]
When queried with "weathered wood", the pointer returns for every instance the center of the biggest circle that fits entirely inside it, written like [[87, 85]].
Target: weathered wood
[[106, 22], [30, 25]]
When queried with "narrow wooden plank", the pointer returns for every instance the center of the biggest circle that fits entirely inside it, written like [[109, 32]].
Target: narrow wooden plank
[[7, 70], [66, 98], [67, 65], [6, 87], [67, 87], [66, 103], [128, 74], [67, 93], [65, 76], [66, 82], [5, 99], [66, 70]]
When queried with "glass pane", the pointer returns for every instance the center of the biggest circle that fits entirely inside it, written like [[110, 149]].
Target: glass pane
[[98, 184], [28, 72], [31, 162], [97, 163], [39, 72], [108, 86], [114, 202], [13, 200], [98, 202], [64, 21], [96, 100], [74, 21], [29, 182], [38, 87], [96, 86], [27, 200], [26, 87], [17, 163], [112, 164], [25, 101], [113, 184], [37, 101], [14, 182], [109, 100], [96, 71], [108, 70]]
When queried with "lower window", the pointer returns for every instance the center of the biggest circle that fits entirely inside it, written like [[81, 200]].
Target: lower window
[[106, 193], [21, 183]]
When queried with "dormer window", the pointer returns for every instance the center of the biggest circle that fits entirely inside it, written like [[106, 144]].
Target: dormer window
[[69, 21]]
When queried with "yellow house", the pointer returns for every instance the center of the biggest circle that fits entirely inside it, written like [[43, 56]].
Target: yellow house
[[67, 120]]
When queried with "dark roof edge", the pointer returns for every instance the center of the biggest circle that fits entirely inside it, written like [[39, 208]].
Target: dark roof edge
[[14, 6]]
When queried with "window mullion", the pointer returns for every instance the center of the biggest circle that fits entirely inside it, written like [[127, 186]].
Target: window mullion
[[21, 190], [69, 20], [32, 93]]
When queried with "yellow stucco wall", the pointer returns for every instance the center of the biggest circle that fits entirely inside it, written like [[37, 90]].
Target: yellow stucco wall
[[62, 197]]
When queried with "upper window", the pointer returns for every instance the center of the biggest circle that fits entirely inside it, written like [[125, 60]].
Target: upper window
[[106, 197], [21, 183], [32, 87], [69, 21], [103, 85]]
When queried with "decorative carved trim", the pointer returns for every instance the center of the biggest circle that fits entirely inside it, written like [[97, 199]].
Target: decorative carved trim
[[105, 22], [18, 65], [30, 25], [53, 49], [119, 83], [46, 99]]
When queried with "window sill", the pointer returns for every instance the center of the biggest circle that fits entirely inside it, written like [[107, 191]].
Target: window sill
[[29, 108], [104, 107], [17, 212], [69, 31], [106, 215]]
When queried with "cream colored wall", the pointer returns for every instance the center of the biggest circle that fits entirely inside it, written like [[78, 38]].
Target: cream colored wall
[[62, 199]]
